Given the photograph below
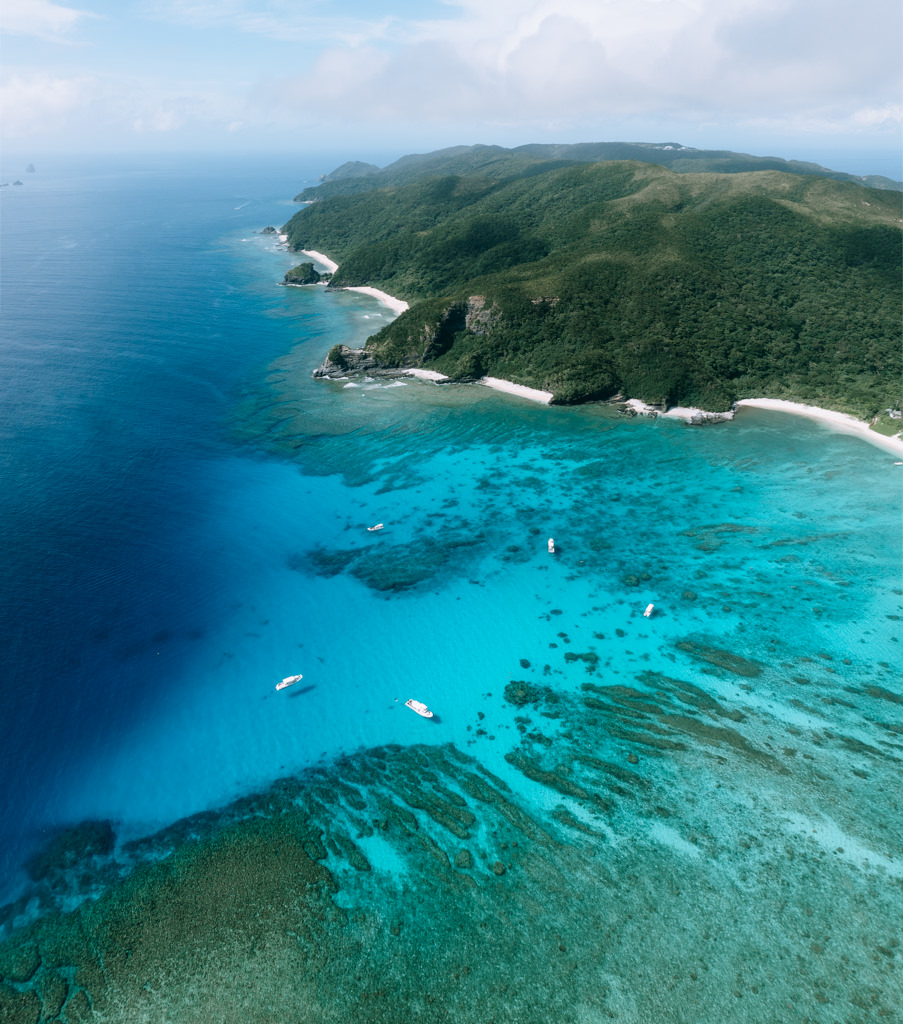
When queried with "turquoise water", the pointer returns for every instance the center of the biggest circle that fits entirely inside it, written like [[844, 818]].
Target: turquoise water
[[184, 518]]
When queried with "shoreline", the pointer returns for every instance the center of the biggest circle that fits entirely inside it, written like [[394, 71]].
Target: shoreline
[[397, 306], [330, 265], [839, 421], [496, 383], [842, 422], [533, 394]]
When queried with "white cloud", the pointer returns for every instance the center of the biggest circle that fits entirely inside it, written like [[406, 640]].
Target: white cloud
[[39, 18], [83, 106], [465, 68], [32, 104], [301, 21], [573, 61]]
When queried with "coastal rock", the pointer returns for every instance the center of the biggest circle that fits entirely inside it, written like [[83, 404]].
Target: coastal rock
[[694, 417], [304, 273], [342, 360], [269, 230]]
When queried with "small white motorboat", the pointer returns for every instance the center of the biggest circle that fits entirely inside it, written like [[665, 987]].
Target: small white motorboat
[[288, 681], [421, 709], [649, 610], [551, 546], [378, 526]]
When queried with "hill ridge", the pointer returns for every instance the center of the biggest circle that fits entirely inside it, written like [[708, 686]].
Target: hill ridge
[[624, 276]]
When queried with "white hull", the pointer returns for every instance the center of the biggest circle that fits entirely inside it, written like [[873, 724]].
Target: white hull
[[288, 682]]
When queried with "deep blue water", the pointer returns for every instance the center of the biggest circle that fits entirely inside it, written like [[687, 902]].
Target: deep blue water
[[131, 311], [173, 483]]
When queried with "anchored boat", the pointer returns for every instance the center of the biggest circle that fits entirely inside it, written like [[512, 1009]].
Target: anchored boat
[[288, 681], [421, 709]]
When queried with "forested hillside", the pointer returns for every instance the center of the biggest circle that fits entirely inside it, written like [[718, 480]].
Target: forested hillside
[[498, 162], [626, 277]]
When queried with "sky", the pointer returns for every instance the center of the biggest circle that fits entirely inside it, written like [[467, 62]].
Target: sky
[[793, 78]]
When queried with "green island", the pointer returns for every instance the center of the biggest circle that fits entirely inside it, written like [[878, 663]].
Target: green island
[[682, 278]]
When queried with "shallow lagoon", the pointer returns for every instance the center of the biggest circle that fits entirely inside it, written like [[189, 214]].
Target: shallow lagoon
[[686, 817]]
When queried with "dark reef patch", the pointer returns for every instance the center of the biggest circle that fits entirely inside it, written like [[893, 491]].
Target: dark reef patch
[[720, 658], [402, 884], [392, 568]]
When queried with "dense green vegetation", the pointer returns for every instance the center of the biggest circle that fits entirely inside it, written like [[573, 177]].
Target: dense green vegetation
[[625, 277], [304, 273], [497, 162]]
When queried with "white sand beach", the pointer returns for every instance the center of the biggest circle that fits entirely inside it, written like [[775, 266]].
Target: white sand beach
[[325, 261], [838, 420], [491, 382], [426, 374], [396, 305], [517, 389]]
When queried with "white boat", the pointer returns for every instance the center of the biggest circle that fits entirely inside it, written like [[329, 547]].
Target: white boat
[[421, 709], [378, 526], [649, 610], [551, 546], [288, 682]]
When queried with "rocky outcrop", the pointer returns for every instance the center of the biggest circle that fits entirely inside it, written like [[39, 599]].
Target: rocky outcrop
[[429, 330], [304, 273], [342, 360], [478, 318]]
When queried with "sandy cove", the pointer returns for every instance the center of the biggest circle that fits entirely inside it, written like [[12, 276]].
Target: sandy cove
[[496, 383], [533, 394], [839, 421], [396, 305], [330, 265]]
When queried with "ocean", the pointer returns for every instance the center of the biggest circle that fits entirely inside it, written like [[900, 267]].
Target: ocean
[[183, 521]]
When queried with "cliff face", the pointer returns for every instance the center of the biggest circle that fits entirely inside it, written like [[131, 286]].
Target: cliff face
[[419, 340], [429, 331], [480, 317]]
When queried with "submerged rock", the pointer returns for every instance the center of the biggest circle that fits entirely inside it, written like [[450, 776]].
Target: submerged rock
[[463, 860], [70, 848]]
